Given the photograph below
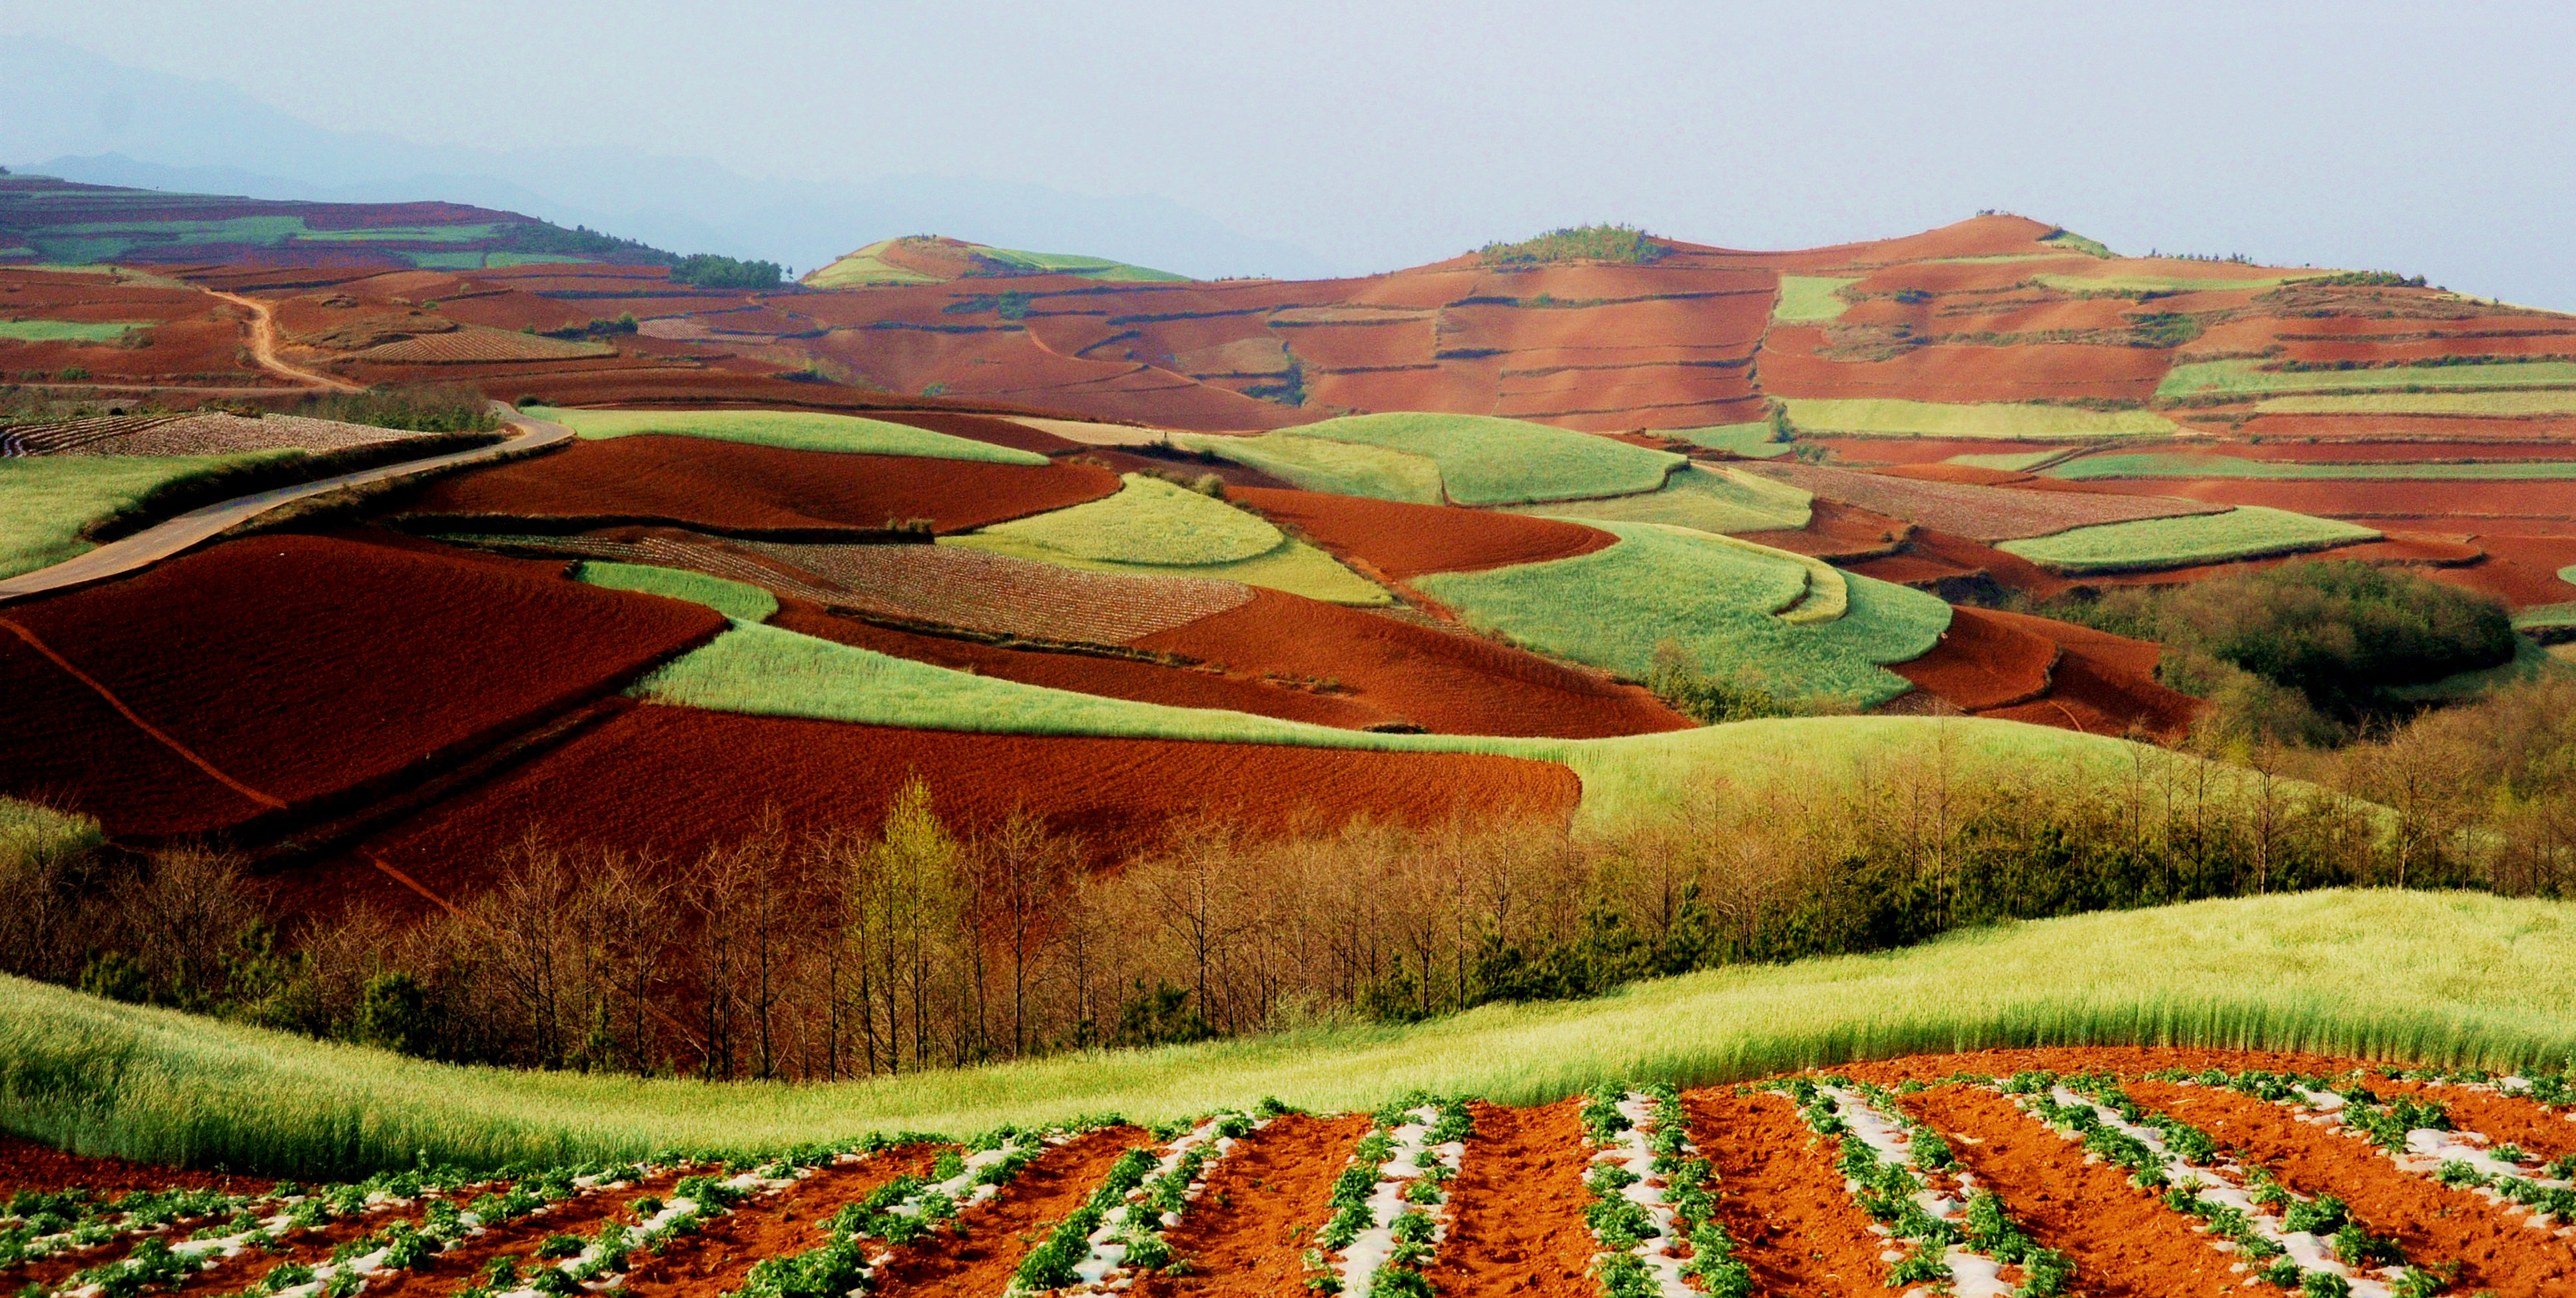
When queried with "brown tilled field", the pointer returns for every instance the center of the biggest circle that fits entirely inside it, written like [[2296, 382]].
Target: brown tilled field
[[2118, 1171]]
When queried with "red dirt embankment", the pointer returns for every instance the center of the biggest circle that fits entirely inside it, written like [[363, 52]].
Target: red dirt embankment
[[731, 486], [1447, 682], [1403, 540], [305, 667], [673, 780]]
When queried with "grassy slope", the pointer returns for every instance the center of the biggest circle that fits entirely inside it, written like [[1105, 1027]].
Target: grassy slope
[[2229, 466], [2421, 977], [1149, 521], [1489, 461], [2152, 543], [1990, 419], [27, 829], [55, 331], [1611, 607], [794, 430], [1810, 299], [1711, 500], [1341, 468], [2218, 378], [734, 599], [46, 500]]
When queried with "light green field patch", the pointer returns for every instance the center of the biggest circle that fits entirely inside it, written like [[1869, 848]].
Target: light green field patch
[[69, 331], [1612, 607], [238, 229], [29, 831], [2568, 574], [1489, 461], [2530, 662], [738, 600], [1100, 268], [2245, 532], [1752, 441], [865, 267], [2014, 462], [1339, 468], [2229, 466], [2246, 377], [2073, 242], [792, 430], [2540, 617], [46, 500], [1811, 299], [1999, 419], [2419, 978], [402, 234], [1700, 497], [2500, 404], [2160, 283], [1294, 567], [1149, 521]]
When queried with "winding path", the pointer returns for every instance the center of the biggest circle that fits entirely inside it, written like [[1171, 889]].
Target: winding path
[[162, 540], [263, 346]]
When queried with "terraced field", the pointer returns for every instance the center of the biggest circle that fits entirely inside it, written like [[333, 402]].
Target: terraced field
[[2116, 1171]]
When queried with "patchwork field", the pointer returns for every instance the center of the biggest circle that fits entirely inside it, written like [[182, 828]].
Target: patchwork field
[[2244, 532]]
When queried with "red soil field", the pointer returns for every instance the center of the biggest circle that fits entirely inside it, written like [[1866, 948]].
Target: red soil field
[[2119, 652], [1517, 1204], [1981, 513], [1447, 682], [284, 663], [1271, 1189], [1983, 662], [2467, 428], [673, 780], [26, 1165], [718, 1258], [2407, 452], [732, 486], [1782, 1199], [950, 585], [999, 1232], [1967, 474], [1962, 374], [1931, 556], [2384, 498], [1117, 678], [1838, 532], [2101, 684], [1401, 540]]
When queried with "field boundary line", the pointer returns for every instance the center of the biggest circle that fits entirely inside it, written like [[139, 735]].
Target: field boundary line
[[193, 758]]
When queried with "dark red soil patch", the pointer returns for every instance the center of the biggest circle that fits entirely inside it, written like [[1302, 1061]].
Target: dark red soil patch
[[1983, 662], [2434, 1224], [2122, 653], [2102, 684], [2123, 1239], [1403, 540], [2446, 499], [2407, 452], [1246, 1234], [1859, 452], [1445, 681], [1981, 513], [307, 667], [1001, 1231], [731, 486], [672, 780], [1964, 473], [1932, 559], [1516, 1207], [718, 1258], [26, 1165], [1839, 532], [1782, 1200], [1117, 678], [1790, 368]]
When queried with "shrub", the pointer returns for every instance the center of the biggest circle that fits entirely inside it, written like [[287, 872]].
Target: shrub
[[706, 270], [1620, 243]]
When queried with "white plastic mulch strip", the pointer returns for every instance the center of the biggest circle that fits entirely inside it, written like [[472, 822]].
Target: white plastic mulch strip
[[1370, 1251], [2427, 1148], [1101, 1267], [1635, 1153], [204, 1253], [1972, 1274], [747, 1182], [2224, 1184]]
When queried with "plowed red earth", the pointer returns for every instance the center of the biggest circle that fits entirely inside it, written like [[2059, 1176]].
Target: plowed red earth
[[2433, 1223], [306, 667], [1932, 557], [671, 780], [1962, 374], [2414, 452], [2466, 428], [1982, 513], [2345, 498], [998, 1233], [26, 1165], [1260, 1210], [1402, 541], [1864, 452], [1517, 1207], [1444, 681], [1981, 662], [730, 486], [2102, 684], [1838, 532], [1117, 678]]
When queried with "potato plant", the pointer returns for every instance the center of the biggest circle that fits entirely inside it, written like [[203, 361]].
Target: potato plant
[[1643, 1139], [1388, 1205], [1125, 1234]]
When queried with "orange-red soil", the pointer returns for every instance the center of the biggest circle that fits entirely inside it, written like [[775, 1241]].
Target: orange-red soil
[[27, 1165], [731, 486], [1981, 513], [1781, 1198], [995, 1235], [1245, 1235], [716, 1259], [1448, 682], [307, 668], [1403, 541], [1517, 1206], [1983, 662]]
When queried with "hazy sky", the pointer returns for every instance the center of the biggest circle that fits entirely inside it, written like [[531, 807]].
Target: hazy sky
[[2438, 139]]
